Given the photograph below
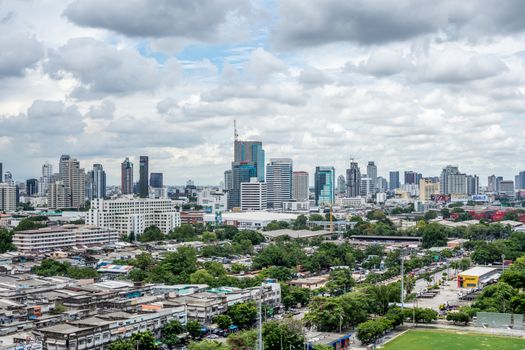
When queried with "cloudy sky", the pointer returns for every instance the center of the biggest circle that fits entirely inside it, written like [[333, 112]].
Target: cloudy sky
[[408, 84]]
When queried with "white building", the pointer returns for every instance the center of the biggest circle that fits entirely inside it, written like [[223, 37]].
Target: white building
[[300, 190], [279, 181], [253, 195], [212, 200], [63, 237], [296, 206], [367, 186], [354, 202], [250, 220], [128, 214], [7, 197], [45, 180]]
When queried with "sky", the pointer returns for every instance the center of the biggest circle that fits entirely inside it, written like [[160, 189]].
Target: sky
[[411, 85]]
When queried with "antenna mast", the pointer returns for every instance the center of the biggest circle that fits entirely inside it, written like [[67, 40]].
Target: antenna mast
[[235, 134]]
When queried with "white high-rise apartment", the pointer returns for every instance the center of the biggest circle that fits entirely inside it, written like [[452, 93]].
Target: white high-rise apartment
[[74, 180], [254, 195], [7, 197], [128, 214], [279, 181], [57, 195], [300, 191], [427, 188], [45, 179]]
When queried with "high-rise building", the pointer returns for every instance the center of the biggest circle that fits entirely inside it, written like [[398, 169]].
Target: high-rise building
[[279, 181], [57, 195], [250, 152], [472, 185], [254, 195], [324, 185], [353, 180], [393, 180], [156, 180], [45, 179], [520, 181], [341, 184], [126, 177], [228, 180], [98, 181], [73, 179], [371, 171], [427, 188], [367, 186], [1, 173], [300, 181], [453, 182], [506, 188], [412, 177], [7, 197], [381, 184], [241, 172], [31, 187], [8, 178], [143, 176]]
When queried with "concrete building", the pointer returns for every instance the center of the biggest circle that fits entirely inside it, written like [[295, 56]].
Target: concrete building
[[393, 182], [353, 180], [477, 277], [427, 188], [228, 180], [453, 182], [126, 177], [31, 187], [7, 197], [519, 183], [412, 177], [254, 195], [63, 237], [371, 171], [45, 179], [324, 185], [73, 178], [250, 220], [212, 200], [279, 181], [472, 185], [354, 202], [506, 188], [241, 172], [300, 182], [57, 195], [97, 181], [296, 206], [367, 186], [381, 184], [127, 214], [143, 188], [341, 184]]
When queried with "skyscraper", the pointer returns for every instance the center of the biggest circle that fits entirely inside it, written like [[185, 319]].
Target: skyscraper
[[427, 188], [394, 180], [506, 188], [31, 187], [143, 176], [371, 171], [73, 179], [254, 195], [520, 181], [412, 177], [45, 179], [98, 181], [156, 180], [126, 177], [1, 173], [228, 180], [324, 185], [250, 152], [472, 185], [7, 197], [279, 181], [240, 173], [453, 182], [341, 184], [300, 192], [353, 180]]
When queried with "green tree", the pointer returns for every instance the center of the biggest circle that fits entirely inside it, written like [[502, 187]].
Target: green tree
[[517, 303], [244, 340], [152, 233], [340, 282], [6, 241], [29, 224], [292, 296], [278, 272], [243, 315], [144, 340], [369, 331], [433, 235], [223, 321], [207, 345], [170, 332], [287, 334], [458, 317], [202, 277], [315, 217], [300, 223], [194, 329]]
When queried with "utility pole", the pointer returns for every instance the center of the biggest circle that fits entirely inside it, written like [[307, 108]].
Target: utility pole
[[402, 281]]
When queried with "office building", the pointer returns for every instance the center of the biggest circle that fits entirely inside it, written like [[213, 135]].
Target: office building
[[393, 180], [371, 171], [31, 187], [472, 185], [279, 181], [126, 177], [1, 172], [228, 180], [494, 183], [212, 200], [240, 173], [367, 186], [453, 182], [156, 180], [520, 181], [7, 197], [63, 237], [427, 188], [129, 214], [74, 180], [254, 195], [381, 184], [45, 179], [300, 184], [324, 185], [143, 176], [412, 177], [353, 180], [250, 152], [506, 188], [341, 184], [57, 195], [8, 178], [97, 182]]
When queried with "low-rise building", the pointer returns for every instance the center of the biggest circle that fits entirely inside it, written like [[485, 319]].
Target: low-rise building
[[477, 277]]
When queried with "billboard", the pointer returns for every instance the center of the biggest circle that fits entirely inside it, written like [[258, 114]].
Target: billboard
[[480, 198], [440, 198]]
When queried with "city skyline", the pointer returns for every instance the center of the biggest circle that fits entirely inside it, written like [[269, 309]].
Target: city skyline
[[421, 84]]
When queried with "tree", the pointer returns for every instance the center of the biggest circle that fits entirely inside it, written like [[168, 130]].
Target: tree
[[29, 224], [279, 273], [325, 313], [340, 282], [152, 233], [170, 333], [223, 321], [6, 241], [194, 329], [207, 345], [59, 309], [244, 340], [145, 340], [181, 263], [287, 334], [369, 331], [243, 315], [395, 316], [517, 303], [458, 317], [201, 277], [122, 344], [380, 296], [433, 235], [315, 217], [322, 347], [292, 296], [300, 223]]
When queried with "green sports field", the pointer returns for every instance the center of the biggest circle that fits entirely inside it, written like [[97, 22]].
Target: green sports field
[[450, 340]]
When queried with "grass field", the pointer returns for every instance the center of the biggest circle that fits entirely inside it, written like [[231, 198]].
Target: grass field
[[450, 340]]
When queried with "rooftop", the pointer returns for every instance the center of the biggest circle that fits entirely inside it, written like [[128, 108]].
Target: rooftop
[[478, 271], [258, 216], [295, 233]]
